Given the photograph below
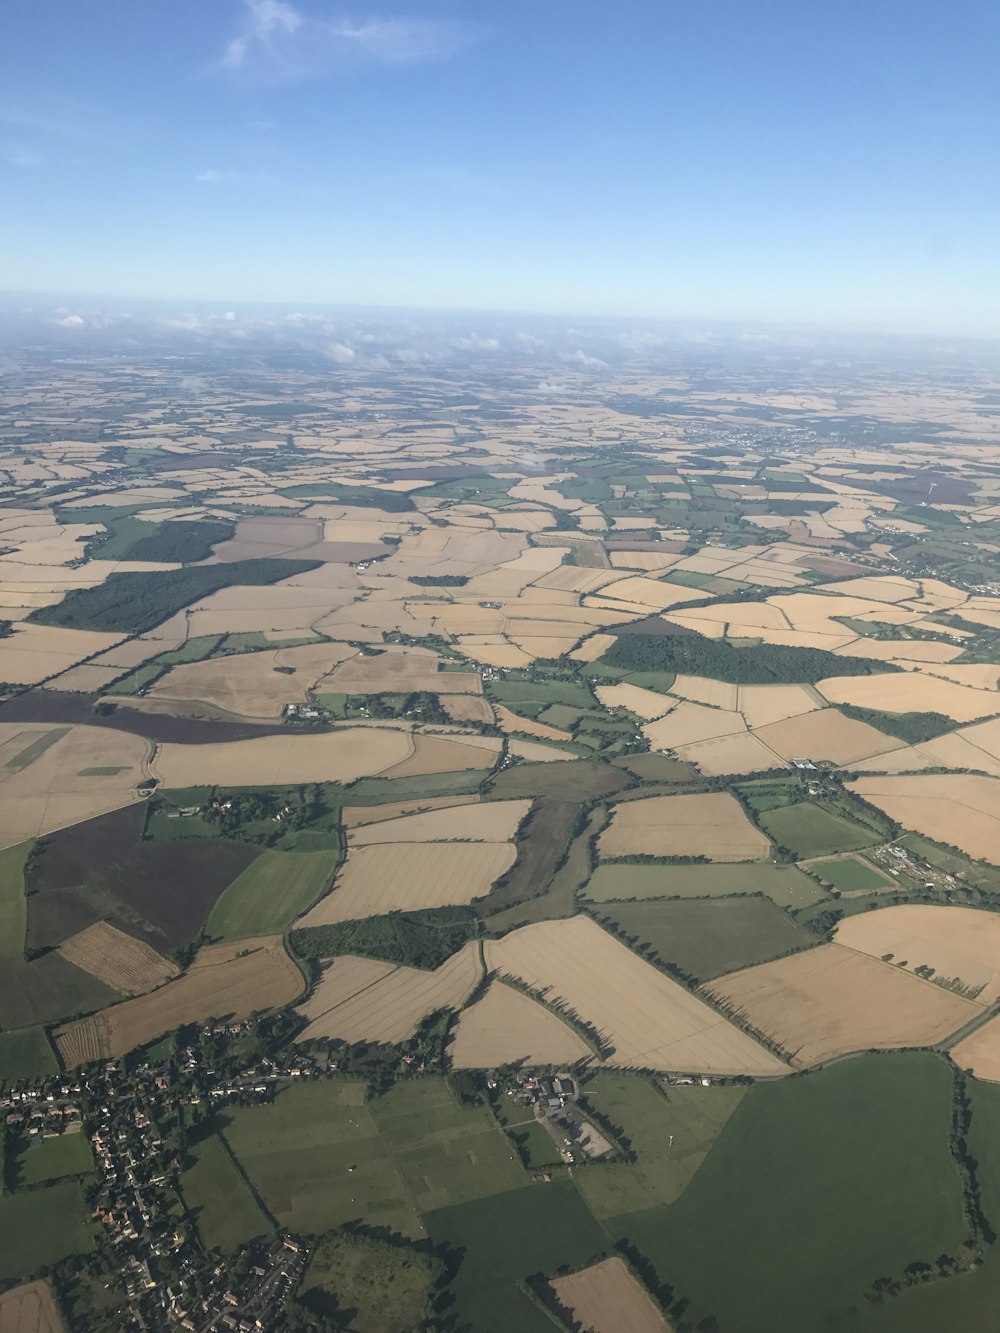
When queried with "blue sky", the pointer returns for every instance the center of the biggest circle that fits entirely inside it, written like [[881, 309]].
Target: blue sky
[[829, 163]]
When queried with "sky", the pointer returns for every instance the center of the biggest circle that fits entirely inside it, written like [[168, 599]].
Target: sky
[[808, 162]]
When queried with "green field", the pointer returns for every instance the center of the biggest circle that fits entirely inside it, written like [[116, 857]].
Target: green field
[[820, 1184], [507, 1238], [784, 884], [810, 830], [217, 1196], [448, 1154], [377, 1286], [534, 1146], [851, 874], [705, 937], [270, 894], [669, 1129], [317, 1159], [529, 698], [26, 1053], [41, 1226], [32, 1161]]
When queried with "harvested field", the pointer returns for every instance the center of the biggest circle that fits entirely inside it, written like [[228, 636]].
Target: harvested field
[[960, 809], [118, 960], [826, 734], [607, 1298], [762, 704], [337, 756], [688, 723], [979, 1052], [709, 824], [253, 685], [910, 692], [490, 821], [380, 1002], [645, 1020], [52, 777], [525, 726], [830, 1001], [408, 876], [784, 884], [400, 670], [239, 978], [646, 704], [356, 816], [742, 753], [32, 653], [30, 1308], [959, 945], [704, 690], [508, 1027], [443, 754], [467, 708]]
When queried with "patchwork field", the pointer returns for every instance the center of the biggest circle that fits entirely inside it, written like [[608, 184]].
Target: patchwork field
[[238, 978], [830, 1000], [959, 809], [647, 1020], [505, 1027], [117, 960], [360, 999], [607, 1297], [711, 825], [784, 884]]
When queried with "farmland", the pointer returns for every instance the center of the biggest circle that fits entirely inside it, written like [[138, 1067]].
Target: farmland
[[505, 1026], [955, 946], [809, 830], [42, 1226], [273, 891], [711, 826], [216, 1195], [955, 808], [703, 937], [389, 1288], [606, 1297], [748, 1243], [29, 1309], [784, 884]]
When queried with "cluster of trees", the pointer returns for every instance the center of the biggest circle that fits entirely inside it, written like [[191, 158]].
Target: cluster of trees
[[132, 603], [185, 541], [440, 580], [415, 939], [765, 664], [910, 727]]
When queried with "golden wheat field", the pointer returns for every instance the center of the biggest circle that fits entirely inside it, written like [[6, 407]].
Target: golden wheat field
[[709, 824], [490, 821], [830, 1000], [647, 1021], [961, 809], [505, 1027], [120, 961], [960, 944], [608, 1298]]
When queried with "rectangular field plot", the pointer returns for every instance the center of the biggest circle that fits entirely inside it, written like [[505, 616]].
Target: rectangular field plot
[[809, 830], [607, 1297], [770, 1235], [705, 937], [34, 1161], [317, 1159], [851, 874], [829, 1001], [226, 1213], [447, 1154], [270, 894], [41, 1226], [670, 1130], [784, 884], [26, 1053]]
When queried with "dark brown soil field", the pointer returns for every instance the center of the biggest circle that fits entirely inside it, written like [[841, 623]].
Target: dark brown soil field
[[541, 846], [159, 892], [571, 780]]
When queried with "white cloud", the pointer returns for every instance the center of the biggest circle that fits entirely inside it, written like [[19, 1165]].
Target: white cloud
[[71, 322], [340, 353], [229, 316], [277, 43], [580, 358], [529, 341]]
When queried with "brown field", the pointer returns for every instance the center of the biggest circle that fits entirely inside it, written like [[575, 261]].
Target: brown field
[[490, 821], [607, 1298], [409, 876], [34, 652], [593, 648], [400, 669], [467, 708], [650, 1021], [239, 978], [710, 824], [960, 809], [689, 723], [829, 1001], [508, 1027], [447, 754], [61, 787], [644, 703], [390, 1006], [703, 690], [959, 943], [250, 684], [979, 1052], [121, 962], [763, 704], [338, 756], [30, 1308], [356, 816], [743, 753], [910, 692], [826, 734]]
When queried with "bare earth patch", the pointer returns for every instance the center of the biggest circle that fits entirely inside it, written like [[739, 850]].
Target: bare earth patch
[[606, 1298]]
